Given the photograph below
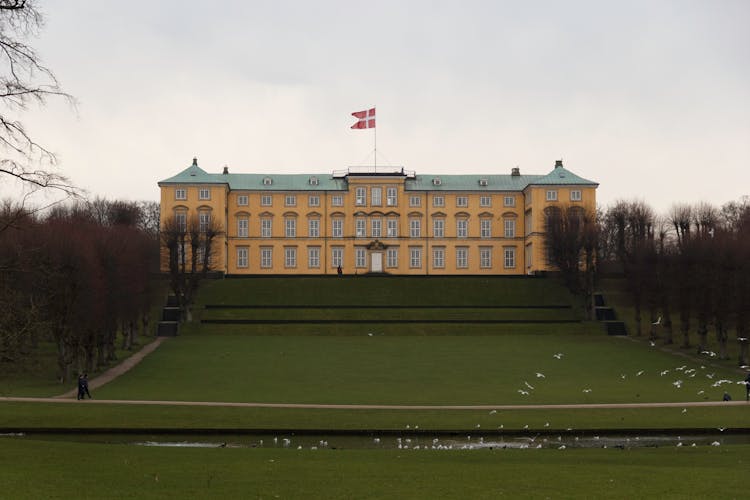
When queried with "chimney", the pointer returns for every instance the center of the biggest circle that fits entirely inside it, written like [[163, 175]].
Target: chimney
[[515, 171], [195, 162], [226, 170], [558, 164]]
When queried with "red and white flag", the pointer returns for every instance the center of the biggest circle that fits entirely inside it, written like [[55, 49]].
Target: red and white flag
[[366, 118]]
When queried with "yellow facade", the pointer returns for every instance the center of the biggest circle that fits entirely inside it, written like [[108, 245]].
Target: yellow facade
[[371, 222]]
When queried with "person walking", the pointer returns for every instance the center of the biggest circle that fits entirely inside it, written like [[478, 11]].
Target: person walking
[[85, 385], [81, 390]]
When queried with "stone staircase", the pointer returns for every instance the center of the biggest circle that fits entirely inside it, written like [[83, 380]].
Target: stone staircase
[[608, 317], [169, 325]]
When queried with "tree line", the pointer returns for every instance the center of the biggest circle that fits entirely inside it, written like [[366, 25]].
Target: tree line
[[686, 270], [79, 276]]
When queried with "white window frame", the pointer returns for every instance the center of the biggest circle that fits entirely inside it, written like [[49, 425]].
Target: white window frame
[[266, 227], [266, 200], [485, 200], [575, 195], [360, 257], [290, 200], [242, 257], [391, 196], [485, 228], [243, 227], [509, 257], [392, 228], [180, 194], [438, 201], [242, 200], [376, 227], [337, 257], [181, 220], [509, 228], [462, 201], [438, 257], [462, 228], [204, 220], [360, 227], [313, 200], [438, 228], [391, 257], [415, 200], [551, 195], [313, 228], [376, 196], [509, 201], [360, 196], [337, 200], [313, 257], [204, 194], [266, 257], [415, 228], [290, 227], [290, 257], [485, 257], [415, 257], [462, 257], [337, 227]]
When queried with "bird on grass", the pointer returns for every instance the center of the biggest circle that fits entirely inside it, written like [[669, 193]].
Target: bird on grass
[[540, 375], [528, 385], [657, 322], [639, 373], [522, 392], [587, 390], [559, 355]]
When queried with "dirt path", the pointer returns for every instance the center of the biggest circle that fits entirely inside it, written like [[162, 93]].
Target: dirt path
[[378, 407], [117, 370]]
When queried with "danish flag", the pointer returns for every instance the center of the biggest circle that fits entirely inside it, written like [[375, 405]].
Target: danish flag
[[366, 118]]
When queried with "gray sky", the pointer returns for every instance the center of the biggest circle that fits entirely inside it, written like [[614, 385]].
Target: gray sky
[[649, 98]]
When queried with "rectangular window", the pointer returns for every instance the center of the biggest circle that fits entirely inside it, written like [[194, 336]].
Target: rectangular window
[[266, 200], [415, 228], [241, 256], [290, 200], [290, 227], [510, 228], [485, 257], [313, 228], [337, 257], [313, 200], [181, 220], [360, 257], [180, 194], [360, 196], [376, 196], [438, 228], [462, 257], [462, 228], [204, 194], [462, 201], [242, 227], [290, 257], [392, 228], [438, 201], [527, 220], [376, 225], [575, 195], [266, 257], [390, 195], [265, 228], [509, 201], [485, 228], [415, 257], [359, 227], [337, 200], [242, 200], [337, 228], [438, 257], [485, 201], [551, 195], [391, 257], [415, 201], [510, 257], [204, 221], [313, 257]]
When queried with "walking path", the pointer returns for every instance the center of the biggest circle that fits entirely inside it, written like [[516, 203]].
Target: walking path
[[118, 370], [378, 407]]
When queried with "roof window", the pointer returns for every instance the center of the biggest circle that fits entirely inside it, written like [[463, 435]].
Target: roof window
[[267, 181]]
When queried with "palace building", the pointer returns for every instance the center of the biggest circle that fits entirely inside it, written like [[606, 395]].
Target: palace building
[[375, 220]]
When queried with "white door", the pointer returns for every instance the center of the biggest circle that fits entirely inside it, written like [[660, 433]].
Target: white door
[[376, 262]]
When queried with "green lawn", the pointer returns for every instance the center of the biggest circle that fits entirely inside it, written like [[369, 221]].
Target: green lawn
[[86, 470]]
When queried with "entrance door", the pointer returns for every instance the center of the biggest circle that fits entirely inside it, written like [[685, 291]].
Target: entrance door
[[376, 262]]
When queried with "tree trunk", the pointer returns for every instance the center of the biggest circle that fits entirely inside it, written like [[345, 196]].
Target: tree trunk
[[702, 336], [667, 325], [721, 336]]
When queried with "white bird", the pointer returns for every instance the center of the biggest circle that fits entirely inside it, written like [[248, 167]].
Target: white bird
[[587, 390], [677, 383], [684, 410], [652, 343], [493, 412], [526, 426], [663, 372], [639, 373], [376, 440], [546, 424], [562, 447], [523, 393], [716, 443], [680, 368], [721, 429], [679, 444], [478, 426], [710, 375], [540, 375], [528, 385], [369, 334], [657, 322], [622, 376], [559, 355], [701, 392]]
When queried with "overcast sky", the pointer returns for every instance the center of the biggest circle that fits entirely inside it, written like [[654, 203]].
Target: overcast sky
[[649, 98]]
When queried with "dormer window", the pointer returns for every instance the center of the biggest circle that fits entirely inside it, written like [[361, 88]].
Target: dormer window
[[436, 181], [314, 181], [267, 181], [483, 182]]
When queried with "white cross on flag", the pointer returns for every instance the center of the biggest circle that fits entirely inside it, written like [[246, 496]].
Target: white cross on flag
[[366, 118]]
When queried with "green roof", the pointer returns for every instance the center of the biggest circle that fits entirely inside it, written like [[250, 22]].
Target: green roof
[[426, 182]]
